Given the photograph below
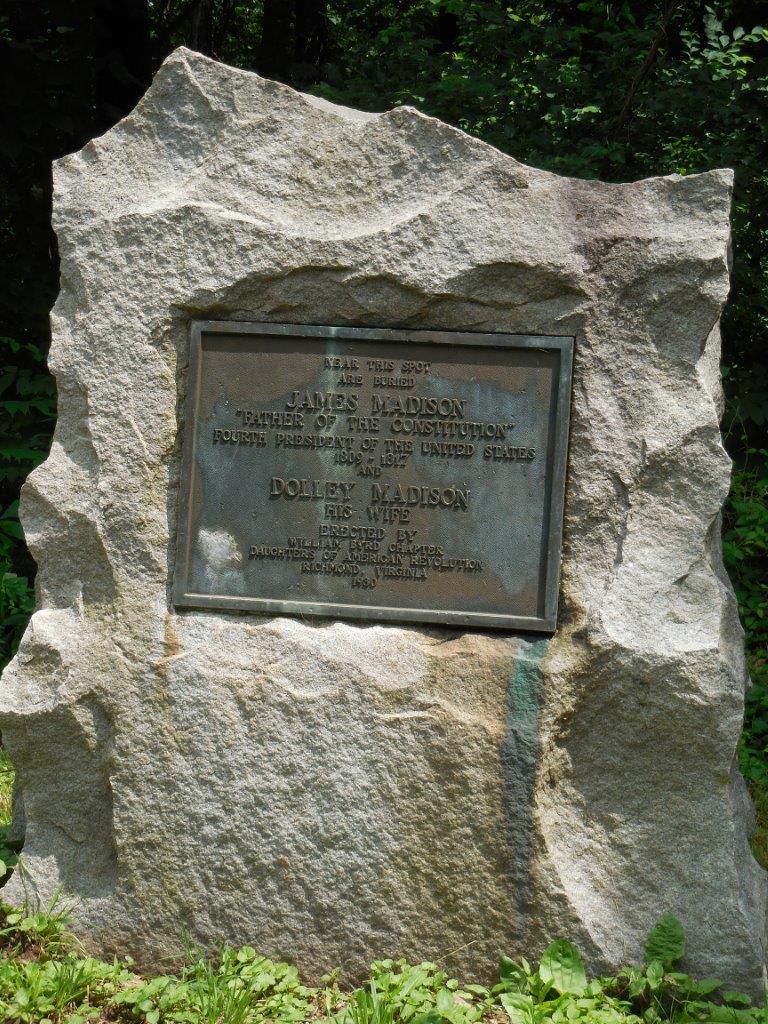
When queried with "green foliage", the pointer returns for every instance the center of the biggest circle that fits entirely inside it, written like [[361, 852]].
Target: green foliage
[[745, 543], [745, 551], [400, 992], [367, 1006], [666, 943], [9, 849], [27, 415], [559, 991], [43, 981], [753, 755], [562, 968], [6, 788], [242, 988], [760, 836], [636, 995], [34, 930], [47, 991], [17, 602]]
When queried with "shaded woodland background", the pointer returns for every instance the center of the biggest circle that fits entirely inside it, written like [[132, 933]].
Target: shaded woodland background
[[610, 90]]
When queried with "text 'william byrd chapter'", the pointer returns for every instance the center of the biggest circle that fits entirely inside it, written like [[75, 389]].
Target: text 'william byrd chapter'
[[399, 475]]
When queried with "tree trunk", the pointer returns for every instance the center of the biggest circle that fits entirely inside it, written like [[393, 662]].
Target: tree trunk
[[277, 37], [311, 37], [201, 29], [121, 57]]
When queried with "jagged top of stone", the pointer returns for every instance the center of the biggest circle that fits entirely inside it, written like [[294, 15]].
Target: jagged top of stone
[[205, 132]]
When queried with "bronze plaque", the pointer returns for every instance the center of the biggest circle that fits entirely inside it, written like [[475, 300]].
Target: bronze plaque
[[374, 474]]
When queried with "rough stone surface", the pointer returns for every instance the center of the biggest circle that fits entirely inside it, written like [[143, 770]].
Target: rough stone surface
[[335, 792]]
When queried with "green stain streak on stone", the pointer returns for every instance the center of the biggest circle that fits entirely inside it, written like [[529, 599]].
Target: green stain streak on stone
[[525, 687]]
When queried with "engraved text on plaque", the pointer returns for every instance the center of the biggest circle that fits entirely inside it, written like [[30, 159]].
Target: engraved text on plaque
[[377, 474]]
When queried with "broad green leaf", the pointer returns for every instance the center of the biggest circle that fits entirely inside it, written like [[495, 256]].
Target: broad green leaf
[[637, 985], [736, 999], [507, 968], [562, 967], [519, 1007], [654, 974], [444, 1002], [666, 943], [706, 986], [476, 990], [512, 974]]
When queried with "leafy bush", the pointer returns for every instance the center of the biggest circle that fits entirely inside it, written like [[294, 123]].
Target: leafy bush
[[745, 545], [745, 550]]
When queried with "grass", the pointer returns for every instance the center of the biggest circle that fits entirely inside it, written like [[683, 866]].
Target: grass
[[44, 979]]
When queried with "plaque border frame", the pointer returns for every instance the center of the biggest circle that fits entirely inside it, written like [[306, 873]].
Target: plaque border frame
[[182, 597]]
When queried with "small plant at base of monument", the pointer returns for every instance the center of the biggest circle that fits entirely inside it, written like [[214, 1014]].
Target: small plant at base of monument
[[241, 988], [421, 994], [43, 981], [561, 991]]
